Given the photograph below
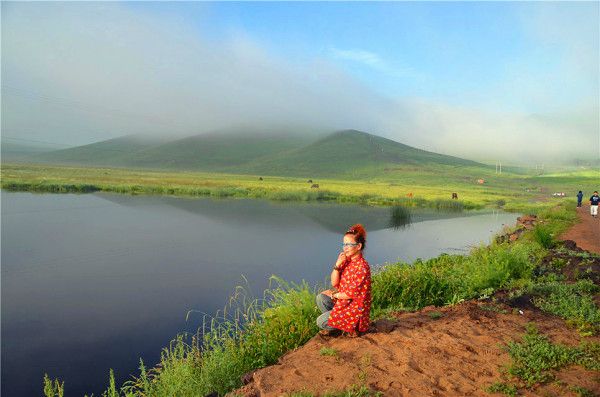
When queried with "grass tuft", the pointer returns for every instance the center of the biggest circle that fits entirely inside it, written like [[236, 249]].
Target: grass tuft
[[534, 359], [328, 351]]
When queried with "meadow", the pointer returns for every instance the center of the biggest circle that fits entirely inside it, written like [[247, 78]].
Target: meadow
[[412, 187], [253, 333]]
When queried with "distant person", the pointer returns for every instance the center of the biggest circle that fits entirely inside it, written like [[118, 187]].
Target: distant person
[[579, 198], [347, 305], [594, 201]]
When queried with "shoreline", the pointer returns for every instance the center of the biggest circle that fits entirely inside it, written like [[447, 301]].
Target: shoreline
[[272, 329], [474, 348]]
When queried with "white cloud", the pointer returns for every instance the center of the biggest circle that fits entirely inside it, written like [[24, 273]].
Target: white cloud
[[77, 72], [365, 57]]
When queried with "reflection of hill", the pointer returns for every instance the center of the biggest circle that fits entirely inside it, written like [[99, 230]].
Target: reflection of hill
[[332, 217], [339, 217]]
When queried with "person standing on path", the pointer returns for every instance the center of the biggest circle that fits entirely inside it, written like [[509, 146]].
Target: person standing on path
[[594, 201], [347, 306], [579, 198]]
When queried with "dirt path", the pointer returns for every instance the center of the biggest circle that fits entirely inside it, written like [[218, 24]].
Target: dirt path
[[456, 352], [586, 233]]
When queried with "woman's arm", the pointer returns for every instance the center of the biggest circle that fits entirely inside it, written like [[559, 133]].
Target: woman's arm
[[337, 270]]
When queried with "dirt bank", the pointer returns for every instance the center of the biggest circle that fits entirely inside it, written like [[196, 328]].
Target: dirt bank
[[450, 351], [586, 233], [418, 354]]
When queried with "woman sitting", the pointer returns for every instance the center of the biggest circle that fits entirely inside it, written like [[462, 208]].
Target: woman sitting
[[347, 305]]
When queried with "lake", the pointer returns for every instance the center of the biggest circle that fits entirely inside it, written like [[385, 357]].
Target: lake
[[98, 281]]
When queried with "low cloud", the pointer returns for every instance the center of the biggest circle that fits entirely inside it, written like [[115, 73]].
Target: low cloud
[[82, 72]]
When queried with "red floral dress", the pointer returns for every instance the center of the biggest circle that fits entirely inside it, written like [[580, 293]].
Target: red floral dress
[[352, 315]]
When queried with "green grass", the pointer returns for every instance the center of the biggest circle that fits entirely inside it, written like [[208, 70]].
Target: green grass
[[328, 351], [353, 391], [543, 236], [400, 217], [427, 186], [449, 279], [255, 333], [573, 302], [583, 392], [534, 359], [53, 388], [504, 388]]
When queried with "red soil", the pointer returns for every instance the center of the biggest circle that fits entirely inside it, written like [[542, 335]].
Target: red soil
[[458, 354], [586, 233]]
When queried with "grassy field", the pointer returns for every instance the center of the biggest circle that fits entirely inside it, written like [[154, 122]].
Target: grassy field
[[429, 186]]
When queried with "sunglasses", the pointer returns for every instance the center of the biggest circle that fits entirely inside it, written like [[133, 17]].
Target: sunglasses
[[350, 244]]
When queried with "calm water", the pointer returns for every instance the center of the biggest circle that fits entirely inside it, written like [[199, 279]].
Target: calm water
[[92, 282]]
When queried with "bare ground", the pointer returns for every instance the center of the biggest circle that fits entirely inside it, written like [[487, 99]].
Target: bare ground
[[418, 354], [586, 233]]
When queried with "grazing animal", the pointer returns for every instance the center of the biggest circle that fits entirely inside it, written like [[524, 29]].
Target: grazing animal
[[310, 181], [454, 196], [260, 178], [315, 186], [409, 195]]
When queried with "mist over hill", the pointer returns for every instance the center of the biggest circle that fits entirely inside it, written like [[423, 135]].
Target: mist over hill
[[341, 153]]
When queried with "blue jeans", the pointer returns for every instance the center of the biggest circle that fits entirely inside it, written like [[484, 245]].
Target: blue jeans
[[325, 304]]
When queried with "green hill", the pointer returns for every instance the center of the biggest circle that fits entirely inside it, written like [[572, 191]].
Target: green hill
[[112, 152], [216, 152], [347, 153], [351, 152]]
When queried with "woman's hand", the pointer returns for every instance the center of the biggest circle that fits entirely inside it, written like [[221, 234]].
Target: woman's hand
[[328, 292], [340, 260]]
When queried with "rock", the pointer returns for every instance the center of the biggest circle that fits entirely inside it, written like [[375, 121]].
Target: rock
[[570, 245], [527, 221], [248, 377], [384, 325]]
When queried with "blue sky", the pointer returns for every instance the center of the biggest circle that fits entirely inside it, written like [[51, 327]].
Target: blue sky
[[490, 75], [449, 51]]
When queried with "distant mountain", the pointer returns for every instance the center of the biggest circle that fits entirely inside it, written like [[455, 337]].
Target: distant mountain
[[113, 152], [342, 153], [21, 152]]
